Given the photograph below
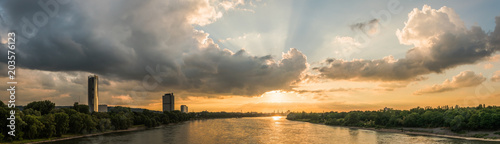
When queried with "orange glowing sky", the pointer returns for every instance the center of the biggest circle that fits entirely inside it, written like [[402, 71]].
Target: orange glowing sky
[[263, 56]]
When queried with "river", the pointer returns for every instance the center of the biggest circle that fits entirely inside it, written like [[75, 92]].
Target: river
[[257, 130]]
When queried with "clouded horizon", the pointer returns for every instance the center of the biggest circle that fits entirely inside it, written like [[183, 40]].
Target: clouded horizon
[[243, 55]]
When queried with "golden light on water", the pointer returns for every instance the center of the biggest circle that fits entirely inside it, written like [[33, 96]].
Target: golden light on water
[[276, 117]]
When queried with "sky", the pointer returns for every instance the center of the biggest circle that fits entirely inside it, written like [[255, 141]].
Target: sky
[[256, 55]]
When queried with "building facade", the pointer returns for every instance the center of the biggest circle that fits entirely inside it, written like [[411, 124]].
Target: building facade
[[184, 109], [93, 92], [168, 102], [103, 108]]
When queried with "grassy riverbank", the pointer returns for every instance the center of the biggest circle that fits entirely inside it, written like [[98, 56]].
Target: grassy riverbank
[[480, 135], [478, 123], [74, 136]]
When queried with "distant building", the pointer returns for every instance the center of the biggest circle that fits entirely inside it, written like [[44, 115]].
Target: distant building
[[93, 93], [168, 102], [103, 108], [387, 109], [184, 109]]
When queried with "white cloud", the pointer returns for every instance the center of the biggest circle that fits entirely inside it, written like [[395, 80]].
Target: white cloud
[[441, 42], [464, 79]]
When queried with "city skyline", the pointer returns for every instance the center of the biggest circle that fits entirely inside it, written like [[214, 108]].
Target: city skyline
[[257, 55]]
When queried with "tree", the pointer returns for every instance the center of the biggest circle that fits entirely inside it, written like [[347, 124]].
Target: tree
[[474, 122], [35, 127], [121, 120], [89, 125], [458, 123], [352, 118], [48, 121], [104, 124], [412, 120], [43, 106], [4, 113], [81, 108], [76, 123], [486, 120], [31, 111], [62, 123]]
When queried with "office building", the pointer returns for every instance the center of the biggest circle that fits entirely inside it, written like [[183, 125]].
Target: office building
[[103, 108], [184, 109], [93, 93], [168, 102]]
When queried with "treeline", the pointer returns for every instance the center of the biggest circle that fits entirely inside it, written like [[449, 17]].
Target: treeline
[[457, 119], [40, 119]]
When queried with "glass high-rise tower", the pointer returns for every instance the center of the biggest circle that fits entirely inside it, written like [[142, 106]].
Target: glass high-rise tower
[[93, 93], [168, 102]]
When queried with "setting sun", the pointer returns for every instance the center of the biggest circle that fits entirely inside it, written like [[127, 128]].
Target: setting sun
[[276, 96]]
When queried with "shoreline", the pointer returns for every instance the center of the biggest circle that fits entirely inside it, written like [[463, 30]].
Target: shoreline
[[132, 129], [401, 130], [419, 131], [94, 134], [410, 132]]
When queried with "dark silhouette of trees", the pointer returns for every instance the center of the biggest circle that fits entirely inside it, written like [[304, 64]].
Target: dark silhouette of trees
[[457, 119], [44, 107], [40, 119], [62, 123], [81, 108]]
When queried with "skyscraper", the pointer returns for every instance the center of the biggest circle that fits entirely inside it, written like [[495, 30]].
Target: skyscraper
[[184, 109], [168, 102], [93, 93]]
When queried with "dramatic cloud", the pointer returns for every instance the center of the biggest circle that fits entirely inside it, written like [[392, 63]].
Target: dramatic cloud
[[152, 44], [464, 79], [369, 27], [496, 77], [441, 42], [329, 90]]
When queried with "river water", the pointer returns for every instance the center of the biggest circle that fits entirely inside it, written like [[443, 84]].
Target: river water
[[257, 130]]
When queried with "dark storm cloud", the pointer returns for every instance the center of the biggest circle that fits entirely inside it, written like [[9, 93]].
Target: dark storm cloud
[[369, 26], [122, 40], [441, 42], [213, 70]]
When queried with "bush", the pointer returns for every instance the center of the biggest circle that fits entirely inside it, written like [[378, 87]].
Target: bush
[[480, 135]]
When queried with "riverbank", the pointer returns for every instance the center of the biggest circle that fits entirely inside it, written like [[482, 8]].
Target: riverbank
[[436, 132], [73, 136], [441, 132]]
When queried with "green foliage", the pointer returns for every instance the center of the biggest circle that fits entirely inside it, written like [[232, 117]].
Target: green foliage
[[4, 113], [121, 118], [76, 123], [457, 119], [41, 119], [352, 118], [31, 111], [62, 123], [412, 120], [81, 108], [43, 106], [480, 135], [458, 123], [49, 124], [35, 127]]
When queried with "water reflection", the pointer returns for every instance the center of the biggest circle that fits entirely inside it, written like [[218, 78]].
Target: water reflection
[[257, 130], [276, 117]]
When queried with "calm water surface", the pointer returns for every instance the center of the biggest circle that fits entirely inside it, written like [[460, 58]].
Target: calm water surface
[[257, 130]]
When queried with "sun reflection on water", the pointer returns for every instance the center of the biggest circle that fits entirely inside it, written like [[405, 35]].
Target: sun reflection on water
[[276, 117]]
